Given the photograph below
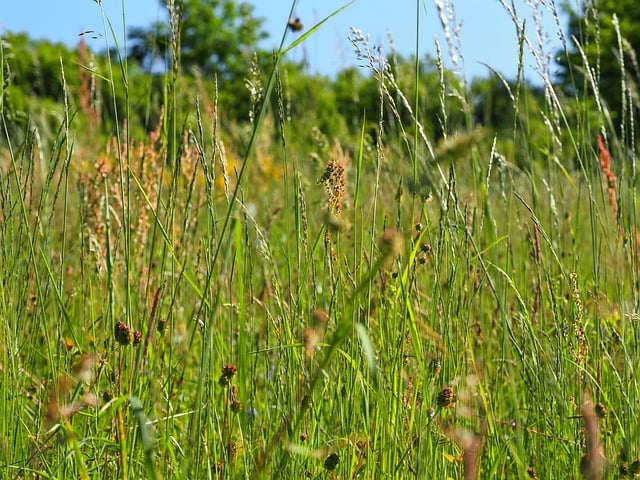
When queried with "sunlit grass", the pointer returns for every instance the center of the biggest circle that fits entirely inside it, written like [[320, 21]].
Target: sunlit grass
[[387, 305]]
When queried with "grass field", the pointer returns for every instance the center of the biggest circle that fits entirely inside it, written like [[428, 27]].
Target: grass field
[[355, 308]]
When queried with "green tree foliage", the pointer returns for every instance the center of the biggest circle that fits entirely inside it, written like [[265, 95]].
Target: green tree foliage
[[611, 58], [356, 95], [493, 103], [311, 103], [506, 109], [33, 70], [34, 66], [440, 108], [216, 37], [34, 89]]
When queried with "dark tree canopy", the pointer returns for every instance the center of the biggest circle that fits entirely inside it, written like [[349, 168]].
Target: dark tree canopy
[[594, 29], [216, 36]]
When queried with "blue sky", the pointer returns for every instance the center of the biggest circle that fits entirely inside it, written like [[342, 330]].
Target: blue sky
[[487, 33]]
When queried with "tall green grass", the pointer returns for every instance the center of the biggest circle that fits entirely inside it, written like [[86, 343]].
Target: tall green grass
[[397, 310]]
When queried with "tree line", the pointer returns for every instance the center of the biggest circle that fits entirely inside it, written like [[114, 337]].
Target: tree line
[[208, 39]]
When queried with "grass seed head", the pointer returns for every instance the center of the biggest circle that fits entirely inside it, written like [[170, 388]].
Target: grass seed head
[[232, 451], [446, 398], [123, 334], [531, 473], [228, 372], [331, 462], [236, 406]]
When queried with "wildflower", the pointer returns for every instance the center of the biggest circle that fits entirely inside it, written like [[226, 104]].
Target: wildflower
[[251, 412], [69, 344], [137, 338]]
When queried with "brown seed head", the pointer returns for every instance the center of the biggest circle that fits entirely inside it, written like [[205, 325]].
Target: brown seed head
[[228, 372], [123, 333], [236, 406], [107, 396], [446, 398], [331, 462]]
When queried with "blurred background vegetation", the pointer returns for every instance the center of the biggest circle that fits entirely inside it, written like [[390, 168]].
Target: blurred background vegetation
[[219, 46]]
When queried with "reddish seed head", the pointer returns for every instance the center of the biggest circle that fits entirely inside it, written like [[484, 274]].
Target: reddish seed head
[[123, 334], [446, 398], [331, 462], [236, 406], [228, 372]]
